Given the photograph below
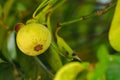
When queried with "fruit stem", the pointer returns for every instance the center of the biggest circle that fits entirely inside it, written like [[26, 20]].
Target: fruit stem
[[45, 7], [44, 3]]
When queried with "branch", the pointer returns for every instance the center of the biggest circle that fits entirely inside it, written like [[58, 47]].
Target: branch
[[96, 13]]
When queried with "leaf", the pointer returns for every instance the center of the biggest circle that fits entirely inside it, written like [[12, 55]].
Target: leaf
[[52, 58], [82, 75], [2, 36], [12, 45], [0, 11], [1, 60], [5, 52], [3, 43], [113, 72], [62, 45], [20, 7], [33, 68], [7, 7], [103, 54], [7, 45], [101, 67], [6, 71]]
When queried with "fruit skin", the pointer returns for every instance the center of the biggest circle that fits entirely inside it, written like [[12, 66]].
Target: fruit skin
[[114, 33], [33, 39], [69, 71]]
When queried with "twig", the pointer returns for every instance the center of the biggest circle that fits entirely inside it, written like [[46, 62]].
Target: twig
[[96, 13]]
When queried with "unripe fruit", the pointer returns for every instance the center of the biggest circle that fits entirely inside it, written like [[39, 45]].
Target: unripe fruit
[[69, 71], [33, 39], [114, 33]]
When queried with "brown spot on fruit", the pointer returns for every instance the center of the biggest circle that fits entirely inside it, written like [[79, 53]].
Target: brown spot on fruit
[[38, 47]]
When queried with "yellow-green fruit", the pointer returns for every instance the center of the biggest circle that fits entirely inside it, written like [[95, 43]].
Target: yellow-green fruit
[[70, 71], [114, 33], [33, 39]]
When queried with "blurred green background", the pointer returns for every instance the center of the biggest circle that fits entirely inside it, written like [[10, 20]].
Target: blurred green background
[[84, 37]]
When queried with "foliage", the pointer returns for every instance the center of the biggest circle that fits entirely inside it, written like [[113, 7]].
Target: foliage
[[79, 31]]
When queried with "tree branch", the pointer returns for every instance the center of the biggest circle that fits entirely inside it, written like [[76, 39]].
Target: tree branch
[[96, 13]]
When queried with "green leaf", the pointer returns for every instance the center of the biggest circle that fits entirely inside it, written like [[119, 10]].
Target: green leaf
[[7, 44], [1, 60], [0, 11], [7, 7], [51, 56], [3, 43], [101, 67], [33, 68], [5, 52], [62, 45], [6, 71], [20, 7], [103, 54], [113, 72], [2, 36], [83, 74]]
